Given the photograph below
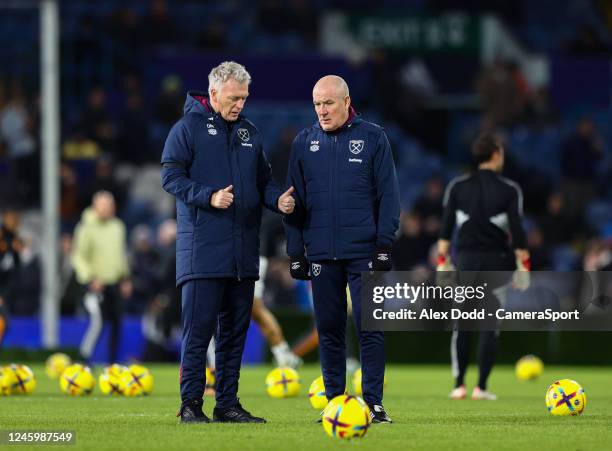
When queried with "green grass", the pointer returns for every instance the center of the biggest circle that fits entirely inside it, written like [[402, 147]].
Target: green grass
[[416, 398]]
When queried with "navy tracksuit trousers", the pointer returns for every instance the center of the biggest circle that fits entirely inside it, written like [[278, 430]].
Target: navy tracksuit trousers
[[221, 306], [329, 280]]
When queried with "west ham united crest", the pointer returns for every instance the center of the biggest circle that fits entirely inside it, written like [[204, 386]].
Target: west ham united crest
[[356, 145], [243, 134]]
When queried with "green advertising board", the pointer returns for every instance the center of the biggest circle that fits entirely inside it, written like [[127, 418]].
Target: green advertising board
[[456, 33]]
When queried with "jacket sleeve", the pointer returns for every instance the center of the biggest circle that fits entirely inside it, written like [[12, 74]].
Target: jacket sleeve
[[176, 161], [448, 216], [515, 216], [80, 255], [294, 223], [387, 193], [269, 190]]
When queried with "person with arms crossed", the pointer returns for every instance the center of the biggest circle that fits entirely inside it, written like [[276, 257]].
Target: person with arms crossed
[[213, 163], [487, 209], [345, 219]]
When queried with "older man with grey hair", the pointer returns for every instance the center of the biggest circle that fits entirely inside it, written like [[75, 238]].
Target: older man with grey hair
[[213, 163]]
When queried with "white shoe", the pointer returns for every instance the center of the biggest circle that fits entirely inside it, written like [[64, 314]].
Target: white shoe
[[458, 393], [477, 393]]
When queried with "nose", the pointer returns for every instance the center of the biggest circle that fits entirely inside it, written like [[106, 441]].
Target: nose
[[240, 104]]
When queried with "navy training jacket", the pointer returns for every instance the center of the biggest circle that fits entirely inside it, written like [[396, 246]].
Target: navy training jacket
[[346, 191], [204, 154]]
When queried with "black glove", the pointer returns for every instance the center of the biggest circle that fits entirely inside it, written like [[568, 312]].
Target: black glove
[[381, 261], [299, 268]]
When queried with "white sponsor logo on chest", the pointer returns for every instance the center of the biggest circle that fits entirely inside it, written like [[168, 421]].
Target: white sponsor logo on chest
[[314, 146]]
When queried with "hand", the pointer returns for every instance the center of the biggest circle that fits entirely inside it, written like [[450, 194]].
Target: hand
[[299, 268], [223, 198], [96, 286], [126, 288], [286, 202], [381, 260], [444, 263], [446, 275], [521, 278]]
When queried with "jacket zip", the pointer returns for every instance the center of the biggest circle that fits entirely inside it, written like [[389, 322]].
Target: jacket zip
[[332, 190], [230, 142]]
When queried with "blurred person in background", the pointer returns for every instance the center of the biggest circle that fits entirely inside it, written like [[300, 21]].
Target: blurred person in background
[[581, 154], [100, 262], [70, 196], [96, 120], [10, 249], [219, 217], [161, 321], [11, 246], [144, 269], [487, 210], [503, 91], [347, 214], [169, 104], [412, 246], [104, 179], [17, 127], [24, 288]]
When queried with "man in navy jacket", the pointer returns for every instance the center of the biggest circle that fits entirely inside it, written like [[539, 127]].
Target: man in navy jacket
[[213, 163], [345, 219]]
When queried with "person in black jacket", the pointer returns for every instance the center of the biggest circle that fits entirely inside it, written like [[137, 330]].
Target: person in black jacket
[[213, 163], [487, 209], [345, 220]]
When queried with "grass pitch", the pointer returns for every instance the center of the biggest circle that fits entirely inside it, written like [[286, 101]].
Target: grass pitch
[[416, 399]]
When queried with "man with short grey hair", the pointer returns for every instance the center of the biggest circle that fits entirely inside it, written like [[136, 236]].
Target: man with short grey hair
[[213, 163], [345, 219]]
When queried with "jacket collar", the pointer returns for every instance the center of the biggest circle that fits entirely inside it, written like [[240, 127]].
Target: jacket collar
[[197, 102], [353, 118]]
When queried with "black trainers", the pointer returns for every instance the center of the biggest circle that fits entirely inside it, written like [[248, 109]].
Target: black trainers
[[378, 414], [191, 412], [235, 414]]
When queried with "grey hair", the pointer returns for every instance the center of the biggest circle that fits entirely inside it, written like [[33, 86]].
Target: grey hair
[[225, 71]]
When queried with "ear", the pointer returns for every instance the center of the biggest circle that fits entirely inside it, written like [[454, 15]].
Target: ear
[[347, 102], [213, 95]]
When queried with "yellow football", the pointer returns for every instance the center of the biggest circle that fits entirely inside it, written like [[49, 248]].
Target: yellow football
[[109, 380], [346, 417], [56, 364], [316, 394], [77, 380], [283, 383], [565, 397]]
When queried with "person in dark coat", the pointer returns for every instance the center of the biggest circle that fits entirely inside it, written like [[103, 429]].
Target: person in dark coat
[[346, 217], [213, 163]]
